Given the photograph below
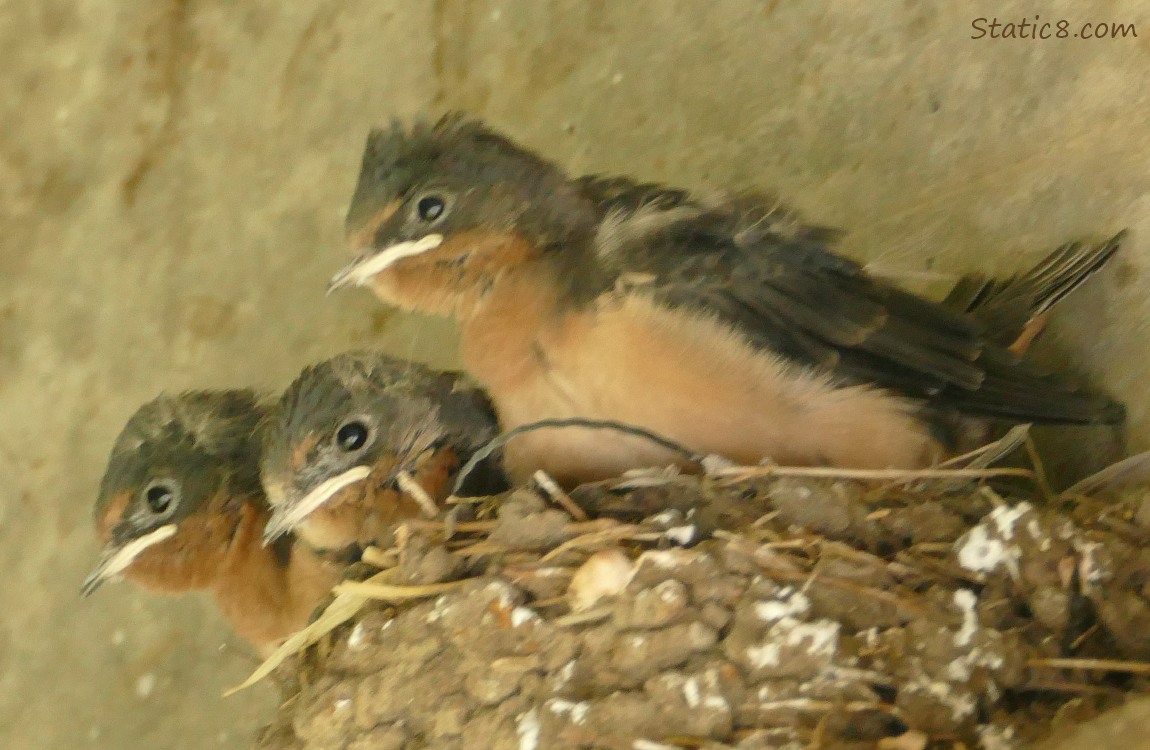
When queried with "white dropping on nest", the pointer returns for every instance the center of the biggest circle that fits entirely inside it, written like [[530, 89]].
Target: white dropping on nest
[[994, 737], [961, 703], [503, 591], [439, 609], [565, 674], [790, 603], [681, 535], [650, 745], [355, 640], [527, 727], [605, 574], [1035, 532], [522, 615], [978, 552], [666, 518], [1005, 518], [965, 600], [691, 692], [1090, 570], [667, 559], [821, 640], [577, 711]]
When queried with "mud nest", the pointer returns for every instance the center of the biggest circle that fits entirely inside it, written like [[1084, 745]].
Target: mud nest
[[668, 611]]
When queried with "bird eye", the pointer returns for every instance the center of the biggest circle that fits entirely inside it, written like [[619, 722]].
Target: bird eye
[[352, 436], [431, 208], [160, 496]]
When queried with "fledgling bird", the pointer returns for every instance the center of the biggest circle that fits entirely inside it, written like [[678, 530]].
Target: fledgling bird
[[349, 431], [181, 509], [725, 325]]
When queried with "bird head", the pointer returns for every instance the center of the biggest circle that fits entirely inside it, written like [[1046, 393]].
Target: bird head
[[441, 212], [177, 475], [338, 439]]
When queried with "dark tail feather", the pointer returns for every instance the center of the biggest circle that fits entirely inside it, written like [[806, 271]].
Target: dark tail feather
[[1005, 307]]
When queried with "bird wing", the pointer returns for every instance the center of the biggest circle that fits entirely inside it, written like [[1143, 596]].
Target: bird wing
[[466, 416], [469, 423], [779, 284]]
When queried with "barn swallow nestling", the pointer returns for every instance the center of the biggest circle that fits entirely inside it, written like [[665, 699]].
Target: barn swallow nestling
[[349, 431], [181, 509], [725, 325]]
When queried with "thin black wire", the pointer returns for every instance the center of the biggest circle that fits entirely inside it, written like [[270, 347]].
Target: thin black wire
[[552, 424]]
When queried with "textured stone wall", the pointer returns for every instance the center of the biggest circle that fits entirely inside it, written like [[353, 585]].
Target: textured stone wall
[[173, 176]]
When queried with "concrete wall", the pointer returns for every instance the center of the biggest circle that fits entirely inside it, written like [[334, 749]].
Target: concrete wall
[[173, 176]]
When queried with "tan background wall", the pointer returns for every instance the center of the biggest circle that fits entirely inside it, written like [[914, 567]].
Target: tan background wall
[[173, 175]]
